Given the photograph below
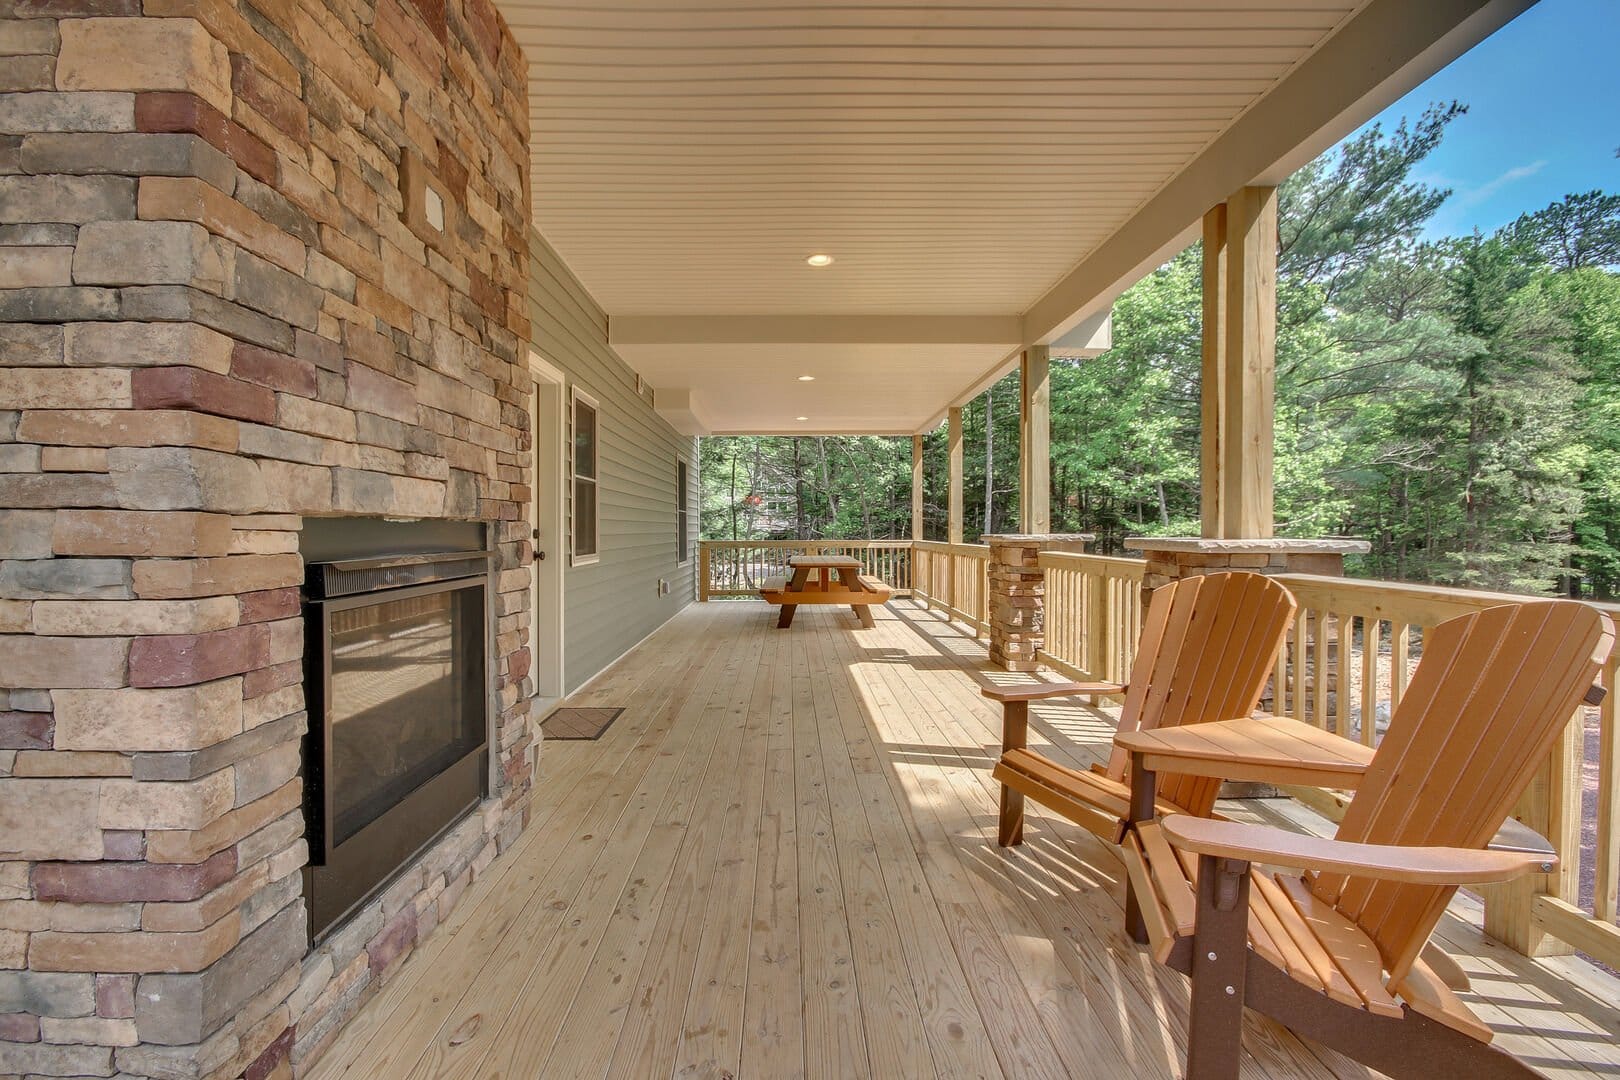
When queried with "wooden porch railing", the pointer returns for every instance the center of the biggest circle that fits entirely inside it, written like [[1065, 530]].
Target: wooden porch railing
[[738, 567], [1093, 614], [952, 578]]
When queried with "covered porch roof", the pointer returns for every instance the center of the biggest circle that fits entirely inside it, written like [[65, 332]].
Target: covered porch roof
[[985, 178]]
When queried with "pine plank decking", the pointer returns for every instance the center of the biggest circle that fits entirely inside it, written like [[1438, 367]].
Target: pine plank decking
[[781, 861]]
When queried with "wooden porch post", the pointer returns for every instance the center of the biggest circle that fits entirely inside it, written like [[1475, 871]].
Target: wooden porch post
[[1212, 384], [1239, 365], [953, 435], [916, 487], [1035, 440]]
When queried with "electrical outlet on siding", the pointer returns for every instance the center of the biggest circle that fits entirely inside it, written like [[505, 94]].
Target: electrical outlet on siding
[[663, 586]]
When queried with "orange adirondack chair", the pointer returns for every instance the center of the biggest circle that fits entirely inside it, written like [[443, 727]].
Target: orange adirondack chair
[[1208, 646], [1336, 953]]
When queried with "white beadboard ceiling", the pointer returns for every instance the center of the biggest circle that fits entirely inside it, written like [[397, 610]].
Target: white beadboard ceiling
[[955, 159]]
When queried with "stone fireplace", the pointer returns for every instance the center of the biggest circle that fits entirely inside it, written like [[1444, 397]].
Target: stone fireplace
[[396, 686], [263, 263]]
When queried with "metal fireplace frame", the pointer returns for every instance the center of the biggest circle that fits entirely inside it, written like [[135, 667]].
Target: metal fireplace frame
[[341, 877]]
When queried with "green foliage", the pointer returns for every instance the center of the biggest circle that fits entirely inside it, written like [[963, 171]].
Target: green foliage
[[1576, 232], [1455, 403], [833, 486]]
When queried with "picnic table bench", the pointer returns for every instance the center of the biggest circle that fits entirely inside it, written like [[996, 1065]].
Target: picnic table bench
[[813, 582]]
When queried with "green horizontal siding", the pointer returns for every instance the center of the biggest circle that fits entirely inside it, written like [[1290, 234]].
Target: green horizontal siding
[[610, 605]]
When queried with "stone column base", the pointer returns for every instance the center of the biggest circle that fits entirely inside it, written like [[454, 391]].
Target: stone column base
[[1017, 588], [1171, 558]]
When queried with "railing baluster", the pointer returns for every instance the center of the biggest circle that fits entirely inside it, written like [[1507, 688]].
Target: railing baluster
[[1371, 628], [1341, 669], [1400, 648], [1302, 628], [1319, 669]]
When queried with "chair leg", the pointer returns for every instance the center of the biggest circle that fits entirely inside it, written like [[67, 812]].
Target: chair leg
[[1144, 787], [1011, 832], [1135, 925], [1014, 736], [1220, 960]]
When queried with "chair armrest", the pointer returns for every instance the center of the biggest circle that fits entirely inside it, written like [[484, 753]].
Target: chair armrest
[[1042, 691], [1261, 749], [1415, 865]]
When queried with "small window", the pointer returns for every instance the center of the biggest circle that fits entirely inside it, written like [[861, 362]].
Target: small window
[[682, 510], [584, 502]]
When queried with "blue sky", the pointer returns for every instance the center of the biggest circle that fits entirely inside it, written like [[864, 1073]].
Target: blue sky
[[1543, 97]]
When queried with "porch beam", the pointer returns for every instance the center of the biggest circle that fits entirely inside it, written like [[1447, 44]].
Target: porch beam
[[917, 487], [953, 438], [1035, 440], [830, 329]]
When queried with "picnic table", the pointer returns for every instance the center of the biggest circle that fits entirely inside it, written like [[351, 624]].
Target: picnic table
[[813, 582]]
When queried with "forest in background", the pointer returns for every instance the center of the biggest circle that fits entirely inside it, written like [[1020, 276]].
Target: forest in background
[[1455, 402]]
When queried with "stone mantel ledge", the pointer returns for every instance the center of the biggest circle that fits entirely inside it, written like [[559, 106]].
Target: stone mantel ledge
[[1041, 539], [1272, 546]]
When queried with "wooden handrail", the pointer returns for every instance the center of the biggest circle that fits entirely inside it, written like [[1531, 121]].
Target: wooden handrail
[[734, 568], [953, 578], [1093, 614]]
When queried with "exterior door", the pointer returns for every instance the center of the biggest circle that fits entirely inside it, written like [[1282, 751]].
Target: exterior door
[[547, 522]]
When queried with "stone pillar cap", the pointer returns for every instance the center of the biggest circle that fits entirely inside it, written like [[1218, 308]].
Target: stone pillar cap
[[1280, 545], [1025, 538]]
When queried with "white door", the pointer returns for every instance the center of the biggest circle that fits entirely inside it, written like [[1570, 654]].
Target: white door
[[549, 425]]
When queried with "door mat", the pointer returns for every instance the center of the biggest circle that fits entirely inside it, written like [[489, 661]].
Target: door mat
[[578, 723]]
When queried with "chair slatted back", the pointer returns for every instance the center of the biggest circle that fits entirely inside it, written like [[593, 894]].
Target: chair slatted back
[[1208, 645], [1490, 697]]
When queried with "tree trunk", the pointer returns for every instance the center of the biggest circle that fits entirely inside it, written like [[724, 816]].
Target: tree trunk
[[989, 459], [733, 493], [826, 477], [755, 475], [798, 493]]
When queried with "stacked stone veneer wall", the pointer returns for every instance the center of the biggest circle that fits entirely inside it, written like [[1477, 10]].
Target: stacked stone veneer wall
[[1015, 594], [216, 320]]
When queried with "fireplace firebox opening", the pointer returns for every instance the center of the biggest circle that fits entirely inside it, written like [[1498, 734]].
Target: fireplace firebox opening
[[397, 632]]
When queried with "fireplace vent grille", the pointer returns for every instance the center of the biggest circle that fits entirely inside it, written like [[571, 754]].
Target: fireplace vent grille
[[350, 577]]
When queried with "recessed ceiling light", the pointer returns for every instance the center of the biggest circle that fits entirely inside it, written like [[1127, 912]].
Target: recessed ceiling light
[[819, 260], [807, 378], [801, 418]]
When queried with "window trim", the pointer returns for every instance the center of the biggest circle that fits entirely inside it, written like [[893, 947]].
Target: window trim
[[595, 480], [683, 512]]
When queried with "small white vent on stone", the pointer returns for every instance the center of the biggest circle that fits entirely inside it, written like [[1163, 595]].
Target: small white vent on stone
[[434, 208]]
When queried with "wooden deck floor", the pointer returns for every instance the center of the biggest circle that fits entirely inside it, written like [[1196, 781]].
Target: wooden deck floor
[[781, 862]]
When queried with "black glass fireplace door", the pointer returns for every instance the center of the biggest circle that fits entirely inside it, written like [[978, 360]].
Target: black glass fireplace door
[[407, 699], [399, 732]]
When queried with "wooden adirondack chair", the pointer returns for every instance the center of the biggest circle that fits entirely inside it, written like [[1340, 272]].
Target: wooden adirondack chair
[[1336, 953], [1208, 645]]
